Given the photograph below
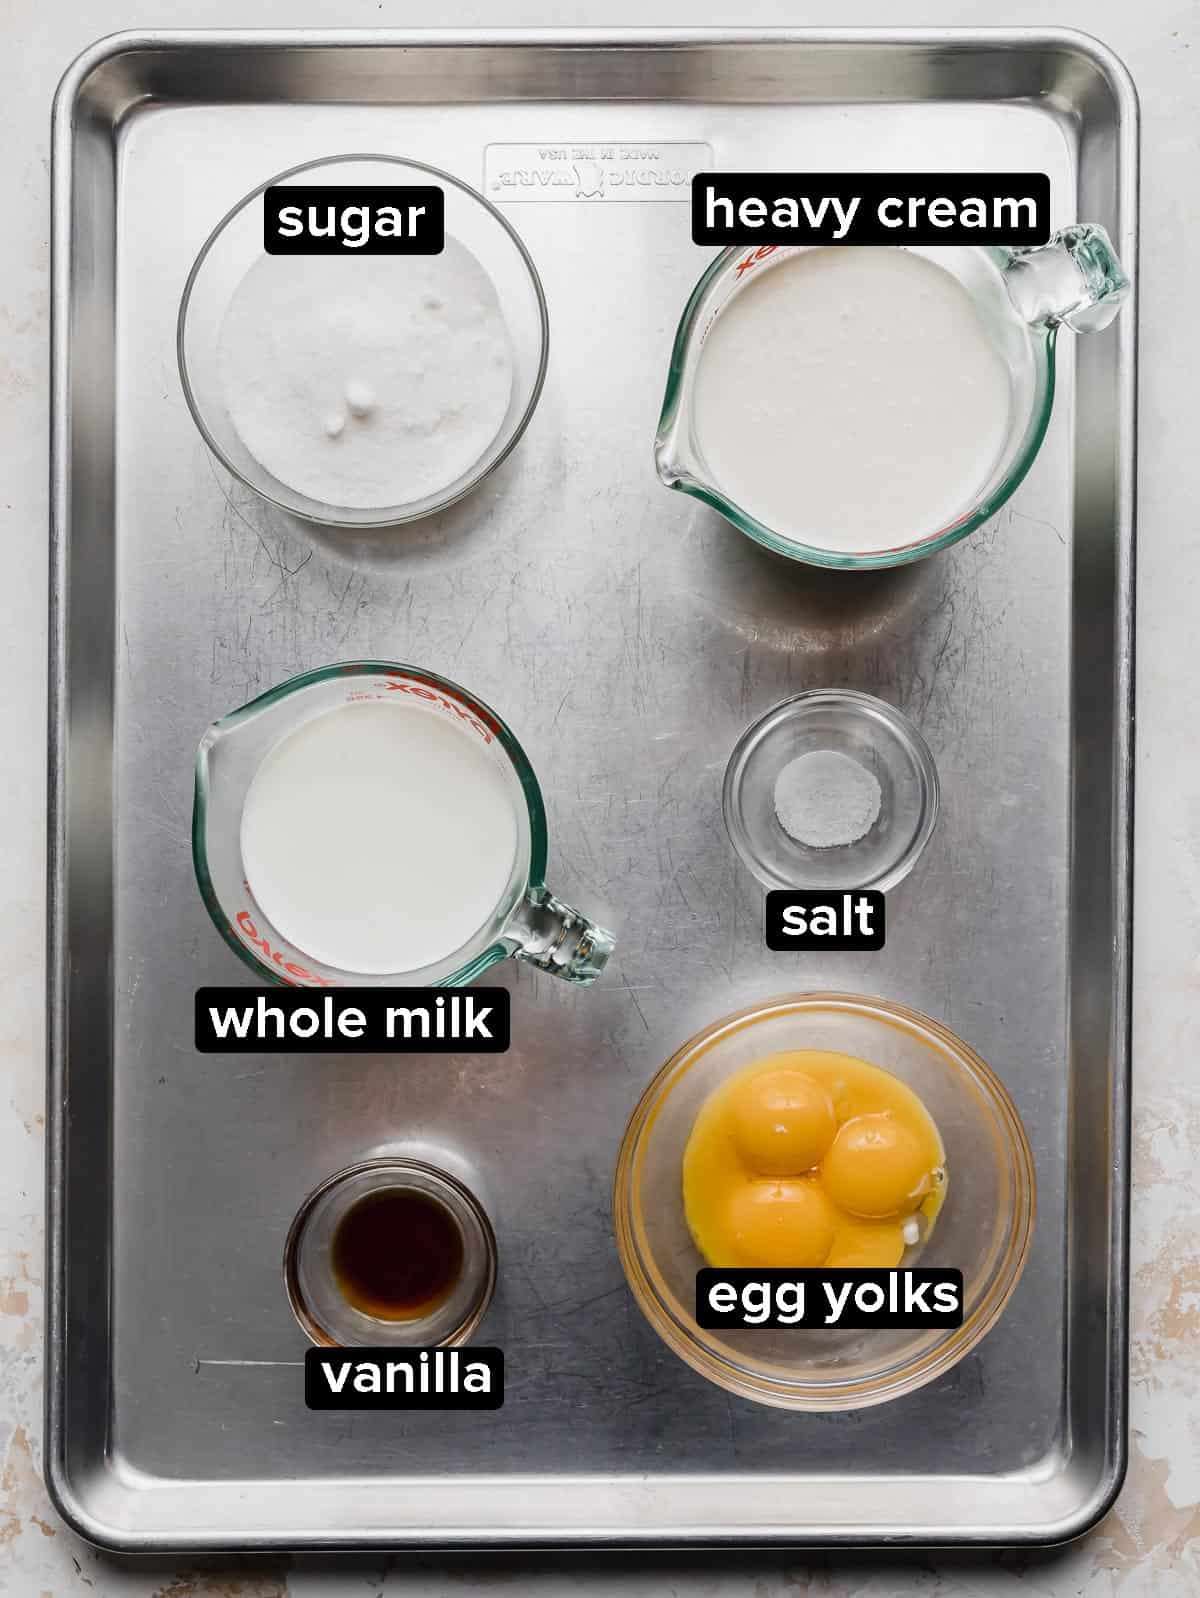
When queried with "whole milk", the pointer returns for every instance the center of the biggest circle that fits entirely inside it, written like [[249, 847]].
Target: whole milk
[[851, 400], [379, 837]]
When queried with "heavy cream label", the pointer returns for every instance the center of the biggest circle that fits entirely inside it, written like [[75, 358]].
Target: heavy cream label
[[594, 173]]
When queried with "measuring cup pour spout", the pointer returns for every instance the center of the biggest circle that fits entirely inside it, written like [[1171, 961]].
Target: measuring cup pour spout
[[1074, 280]]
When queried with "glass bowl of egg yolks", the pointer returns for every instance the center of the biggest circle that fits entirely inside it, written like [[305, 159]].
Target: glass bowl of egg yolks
[[823, 1129]]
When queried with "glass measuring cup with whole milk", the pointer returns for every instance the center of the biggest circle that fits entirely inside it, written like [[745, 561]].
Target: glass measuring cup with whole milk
[[375, 824]]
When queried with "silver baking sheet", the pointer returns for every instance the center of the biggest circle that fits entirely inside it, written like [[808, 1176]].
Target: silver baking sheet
[[628, 635]]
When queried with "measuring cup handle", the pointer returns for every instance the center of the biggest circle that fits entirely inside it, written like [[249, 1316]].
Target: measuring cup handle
[[556, 938], [1075, 279]]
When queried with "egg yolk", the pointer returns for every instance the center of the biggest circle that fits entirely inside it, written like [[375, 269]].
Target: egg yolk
[[811, 1158], [782, 1122], [877, 1167], [780, 1224]]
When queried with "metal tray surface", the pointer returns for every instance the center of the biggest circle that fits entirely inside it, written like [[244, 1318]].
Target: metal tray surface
[[628, 635]]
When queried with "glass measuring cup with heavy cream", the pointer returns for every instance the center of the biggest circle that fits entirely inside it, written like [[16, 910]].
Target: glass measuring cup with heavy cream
[[375, 824], [862, 407]]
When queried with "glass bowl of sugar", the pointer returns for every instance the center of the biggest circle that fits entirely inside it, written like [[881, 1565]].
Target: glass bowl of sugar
[[354, 387], [831, 789]]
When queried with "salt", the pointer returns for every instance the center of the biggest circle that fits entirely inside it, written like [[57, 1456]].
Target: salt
[[826, 800]]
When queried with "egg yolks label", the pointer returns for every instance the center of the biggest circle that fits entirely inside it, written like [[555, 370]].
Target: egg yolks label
[[852, 1300]]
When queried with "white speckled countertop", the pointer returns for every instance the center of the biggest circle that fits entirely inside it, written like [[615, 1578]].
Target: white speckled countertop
[[1150, 1543]]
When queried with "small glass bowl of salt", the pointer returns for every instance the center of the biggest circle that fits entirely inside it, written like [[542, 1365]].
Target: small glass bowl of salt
[[831, 789]]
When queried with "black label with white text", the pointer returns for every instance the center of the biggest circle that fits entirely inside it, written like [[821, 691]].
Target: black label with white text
[[812, 919], [324, 219], [404, 1378], [773, 208], [352, 1020], [856, 1300]]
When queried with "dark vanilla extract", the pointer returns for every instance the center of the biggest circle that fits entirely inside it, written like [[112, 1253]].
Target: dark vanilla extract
[[396, 1254]]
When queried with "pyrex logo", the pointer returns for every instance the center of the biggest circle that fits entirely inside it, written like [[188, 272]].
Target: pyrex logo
[[396, 685], [256, 941], [753, 257]]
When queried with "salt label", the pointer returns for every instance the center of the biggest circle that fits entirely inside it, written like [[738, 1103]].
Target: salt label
[[811, 919]]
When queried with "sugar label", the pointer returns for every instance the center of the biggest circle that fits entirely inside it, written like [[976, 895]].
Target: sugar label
[[328, 219]]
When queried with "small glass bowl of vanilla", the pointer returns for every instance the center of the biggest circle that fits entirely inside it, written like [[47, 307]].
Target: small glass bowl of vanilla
[[823, 1130]]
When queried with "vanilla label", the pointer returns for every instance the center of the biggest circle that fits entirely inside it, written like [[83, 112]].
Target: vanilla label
[[404, 1378]]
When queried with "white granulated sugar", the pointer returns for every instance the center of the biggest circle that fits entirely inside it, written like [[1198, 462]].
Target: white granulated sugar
[[825, 799], [366, 381]]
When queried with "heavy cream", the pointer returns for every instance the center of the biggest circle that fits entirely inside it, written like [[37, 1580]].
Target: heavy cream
[[379, 837], [850, 399]]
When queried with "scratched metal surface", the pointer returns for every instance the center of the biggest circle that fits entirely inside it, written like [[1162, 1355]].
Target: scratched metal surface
[[628, 635]]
